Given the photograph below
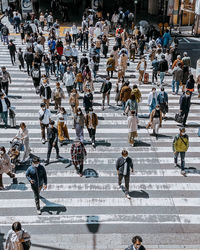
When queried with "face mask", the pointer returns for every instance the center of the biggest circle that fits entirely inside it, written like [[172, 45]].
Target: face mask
[[35, 165], [125, 157], [43, 109], [162, 91], [79, 113], [1, 152], [183, 133], [157, 109]]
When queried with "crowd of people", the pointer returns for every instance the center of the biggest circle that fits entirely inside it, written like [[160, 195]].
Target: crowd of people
[[56, 59]]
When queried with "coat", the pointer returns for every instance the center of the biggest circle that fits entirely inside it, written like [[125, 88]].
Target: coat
[[116, 57], [177, 74], [73, 99], [123, 61], [38, 175], [137, 94], [180, 143], [185, 103], [94, 120], [45, 91], [110, 64], [80, 121], [88, 85], [120, 165], [150, 98], [5, 164], [7, 103], [78, 153], [125, 93]]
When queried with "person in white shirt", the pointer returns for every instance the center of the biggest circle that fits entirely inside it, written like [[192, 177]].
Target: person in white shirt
[[45, 118], [49, 21], [74, 53], [114, 20], [34, 27], [68, 80], [74, 32], [97, 32], [132, 127]]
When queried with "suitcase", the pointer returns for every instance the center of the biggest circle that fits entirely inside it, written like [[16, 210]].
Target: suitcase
[[146, 78]]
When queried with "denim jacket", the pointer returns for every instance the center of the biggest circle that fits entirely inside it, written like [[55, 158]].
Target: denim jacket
[[37, 174]]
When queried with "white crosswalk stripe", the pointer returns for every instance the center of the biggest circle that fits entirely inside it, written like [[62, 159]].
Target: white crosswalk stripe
[[161, 194]]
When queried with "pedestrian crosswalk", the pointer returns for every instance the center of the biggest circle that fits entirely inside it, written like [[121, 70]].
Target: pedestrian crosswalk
[[162, 201]]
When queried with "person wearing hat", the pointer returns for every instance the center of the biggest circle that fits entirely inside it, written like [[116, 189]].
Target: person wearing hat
[[162, 68], [45, 118], [78, 154], [185, 102], [52, 138], [37, 176], [123, 166], [5, 79], [4, 107], [91, 122], [180, 146], [105, 90]]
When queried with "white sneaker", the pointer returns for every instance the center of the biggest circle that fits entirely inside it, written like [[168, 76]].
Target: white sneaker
[[120, 186], [128, 196], [39, 212], [43, 141]]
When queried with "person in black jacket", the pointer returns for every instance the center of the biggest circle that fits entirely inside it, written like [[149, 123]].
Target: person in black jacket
[[88, 100], [45, 92], [36, 77], [12, 50], [28, 57], [123, 166], [52, 137], [162, 67], [37, 176], [137, 244], [85, 38], [83, 62], [4, 107], [185, 100], [105, 90]]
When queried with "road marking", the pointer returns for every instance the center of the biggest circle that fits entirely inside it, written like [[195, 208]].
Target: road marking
[[186, 40]]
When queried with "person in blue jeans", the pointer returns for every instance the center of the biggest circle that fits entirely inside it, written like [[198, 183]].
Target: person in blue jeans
[[177, 78], [152, 100], [162, 67]]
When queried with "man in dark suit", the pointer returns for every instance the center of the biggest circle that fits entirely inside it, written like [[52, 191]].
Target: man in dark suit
[[124, 165], [185, 101]]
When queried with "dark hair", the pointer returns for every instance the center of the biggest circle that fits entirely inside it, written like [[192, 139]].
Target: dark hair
[[63, 109], [35, 160], [124, 152], [132, 97], [42, 105], [135, 86], [52, 122], [16, 226], [135, 238], [23, 124], [2, 148]]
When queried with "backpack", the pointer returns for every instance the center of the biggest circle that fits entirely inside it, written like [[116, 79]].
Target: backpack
[[35, 73], [4, 31]]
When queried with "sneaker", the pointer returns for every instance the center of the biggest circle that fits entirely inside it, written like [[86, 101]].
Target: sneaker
[[103, 108], [120, 186], [39, 212], [46, 162], [80, 175], [93, 145], [58, 157], [132, 145], [43, 141], [183, 173], [128, 196], [175, 165]]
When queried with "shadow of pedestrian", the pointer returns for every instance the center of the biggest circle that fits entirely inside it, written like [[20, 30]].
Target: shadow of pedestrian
[[139, 194], [21, 187], [93, 227], [141, 144], [190, 170], [14, 97], [89, 173], [51, 207]]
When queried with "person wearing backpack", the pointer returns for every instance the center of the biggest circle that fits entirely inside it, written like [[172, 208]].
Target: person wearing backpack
[[28, 57], [17, 238], [137, 244], [180, 146], [5, 33], [12, 50], [78, 154], [36, 77], [17, 22]]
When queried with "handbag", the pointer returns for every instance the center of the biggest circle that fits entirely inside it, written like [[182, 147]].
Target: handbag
[[26, 244], [179, 118]]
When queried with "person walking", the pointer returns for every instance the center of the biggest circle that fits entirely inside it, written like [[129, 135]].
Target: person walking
[[88, 100], [137, 244], [52, 138], [177, 78], [155, 120], [45, 118], [141, 67], [45, 92], [185, 102], [17, 237], [63, 134], [68, 80], [110, 65], [28, 57], [190, 84], [131, 105], [17, 22], [123, 166], [91, 122], [78, 154], [5, 33], [155, 65], [105, 90], [79, 121], [20, 57], [4, 107], [125, 94], [162, 68], [73, 100], [74, 31], [152, 100], [162, 100], [23, 136], [132, 127], [37, 176], [36, 77], [5, 79], [57, 95], [180, 146], [5, 166], [12, 51]]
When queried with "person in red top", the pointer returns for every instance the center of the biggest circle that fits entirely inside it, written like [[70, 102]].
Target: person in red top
[[119, 30]]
